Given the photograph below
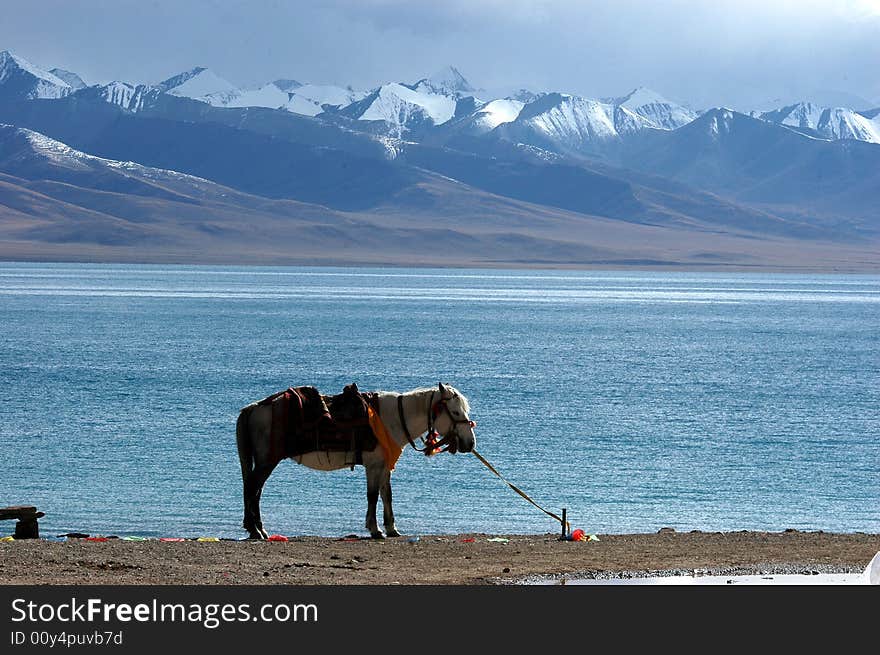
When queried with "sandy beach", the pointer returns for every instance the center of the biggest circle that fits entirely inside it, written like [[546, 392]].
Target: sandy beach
[[463, 559]]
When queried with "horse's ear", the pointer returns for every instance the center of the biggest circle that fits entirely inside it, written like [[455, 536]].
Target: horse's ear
[[443, 390]]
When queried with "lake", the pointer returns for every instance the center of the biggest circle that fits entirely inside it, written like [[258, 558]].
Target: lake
[[637, 400]]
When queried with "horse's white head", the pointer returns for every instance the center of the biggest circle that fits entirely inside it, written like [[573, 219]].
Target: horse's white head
[[451, 419]]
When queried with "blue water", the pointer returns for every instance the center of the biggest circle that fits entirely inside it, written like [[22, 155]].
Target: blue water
[[636, 400]]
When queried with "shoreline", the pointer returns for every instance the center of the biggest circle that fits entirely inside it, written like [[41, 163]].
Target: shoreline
[[459, 559], [839, 268]]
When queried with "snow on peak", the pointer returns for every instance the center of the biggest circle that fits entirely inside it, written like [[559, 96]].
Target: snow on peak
[[75, 81], [125, 95], [628, 121], [446, 81], [570, 121], [402, 107], [268, 95], [844, 123], [524, 95], [801, 114], [493, 114], [176, 80], [829, 122], [30, 81], [657, 111], [27, 143], [309, 99], [719, 120], [201, 84], [60, 153], [804, 114], [10, 63], [641, 96]]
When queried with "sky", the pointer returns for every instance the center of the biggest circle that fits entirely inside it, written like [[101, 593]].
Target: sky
[[745, 54]]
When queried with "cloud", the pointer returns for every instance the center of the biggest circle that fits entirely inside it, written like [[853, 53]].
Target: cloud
[[722, 52]]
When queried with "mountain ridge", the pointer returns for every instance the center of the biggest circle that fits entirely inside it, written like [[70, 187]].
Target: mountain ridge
[[404, 157]]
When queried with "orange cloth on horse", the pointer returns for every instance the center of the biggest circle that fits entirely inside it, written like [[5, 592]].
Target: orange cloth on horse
[[390, 449]]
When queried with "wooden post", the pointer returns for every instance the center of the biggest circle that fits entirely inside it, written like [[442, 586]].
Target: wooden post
[[564, 521], [27, 528]]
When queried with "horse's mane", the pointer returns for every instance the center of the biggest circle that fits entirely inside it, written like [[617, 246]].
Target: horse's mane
[[466, 406]]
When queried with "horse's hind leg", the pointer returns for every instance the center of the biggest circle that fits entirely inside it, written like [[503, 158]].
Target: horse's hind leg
[[253, 490], [387, 509], [374, 482], [249, 523]]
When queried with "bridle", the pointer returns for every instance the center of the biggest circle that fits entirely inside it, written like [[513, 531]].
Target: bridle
[[433, 445]]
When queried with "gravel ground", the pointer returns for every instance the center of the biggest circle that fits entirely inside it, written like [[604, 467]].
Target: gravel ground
[[469, 559]]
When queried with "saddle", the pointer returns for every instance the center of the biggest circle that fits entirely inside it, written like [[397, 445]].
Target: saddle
[[305, 421]]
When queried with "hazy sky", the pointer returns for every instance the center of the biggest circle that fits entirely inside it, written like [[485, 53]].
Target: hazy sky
[[732, 52]]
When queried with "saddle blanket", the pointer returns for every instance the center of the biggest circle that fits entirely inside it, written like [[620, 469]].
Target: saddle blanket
[[305, 421]]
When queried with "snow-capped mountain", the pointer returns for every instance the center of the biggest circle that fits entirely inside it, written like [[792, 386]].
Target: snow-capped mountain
[[827, 122], [403, 149], [804, 115], [308, 99], [32, 149], [718, 123], [757, 161], [567, 124], [659, 112], [402, 109], [448, 82], [22, 80], [399, 108], [311, 99], [268, 95], [75, 81], [496, 112], [123, 94], [844, 123], [475, 119], [201, 84]]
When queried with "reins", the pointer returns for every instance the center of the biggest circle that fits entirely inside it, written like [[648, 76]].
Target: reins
[[565, 525], [403, 422], [432, 445]]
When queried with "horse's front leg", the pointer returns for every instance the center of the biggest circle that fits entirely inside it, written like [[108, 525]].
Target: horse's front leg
[[374, 482], [387, 509]]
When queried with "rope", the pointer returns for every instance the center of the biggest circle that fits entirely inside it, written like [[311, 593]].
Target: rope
[[520, 491]]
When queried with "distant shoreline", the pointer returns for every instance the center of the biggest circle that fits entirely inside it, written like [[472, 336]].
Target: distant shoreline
[[872, 268], [469, 559]]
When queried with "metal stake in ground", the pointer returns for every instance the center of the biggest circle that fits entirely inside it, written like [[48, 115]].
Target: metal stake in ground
[[562, 521]]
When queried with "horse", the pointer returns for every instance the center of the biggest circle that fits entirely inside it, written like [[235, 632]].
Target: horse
[[425, 412]]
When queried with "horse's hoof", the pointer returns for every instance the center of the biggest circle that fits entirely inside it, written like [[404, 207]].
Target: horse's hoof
[[377, 535], [392, 533]]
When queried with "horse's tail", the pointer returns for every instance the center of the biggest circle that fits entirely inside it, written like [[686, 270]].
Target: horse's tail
[[243, 441]]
